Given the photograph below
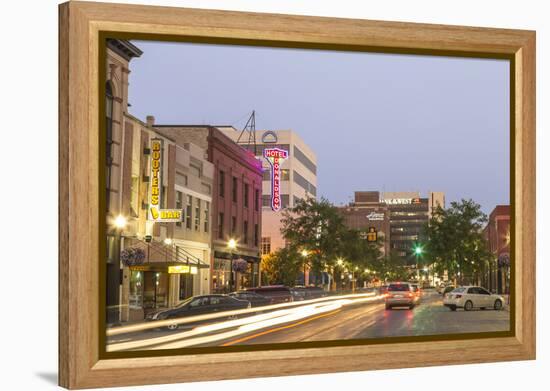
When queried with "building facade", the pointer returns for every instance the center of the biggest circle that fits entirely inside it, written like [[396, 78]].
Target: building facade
[[236, 205], [367, 211], [298, 177], [497, 235], [151, 264], [409, 213]]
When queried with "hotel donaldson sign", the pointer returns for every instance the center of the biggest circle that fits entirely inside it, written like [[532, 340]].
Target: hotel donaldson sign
[[275, 157], [155, 213]]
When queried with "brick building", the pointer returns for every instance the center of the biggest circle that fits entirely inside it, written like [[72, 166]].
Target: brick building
[[497, 234], [236, 203], [368, 211]]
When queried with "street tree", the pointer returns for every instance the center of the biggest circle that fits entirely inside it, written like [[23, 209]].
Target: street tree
[[452, 241], [317, 227], [281, 267]]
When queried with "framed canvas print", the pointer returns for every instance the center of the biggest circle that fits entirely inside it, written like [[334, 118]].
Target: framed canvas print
[[274, 195]]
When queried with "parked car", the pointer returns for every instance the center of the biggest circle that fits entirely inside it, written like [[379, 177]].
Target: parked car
[[255, 299], [470, 297], [277, 293], [199, 305], [442, 286], [417, 291], [400, 294], [383, 290], [308, 292]]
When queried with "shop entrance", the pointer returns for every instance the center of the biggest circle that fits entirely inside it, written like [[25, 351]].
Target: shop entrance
[[155, 290]]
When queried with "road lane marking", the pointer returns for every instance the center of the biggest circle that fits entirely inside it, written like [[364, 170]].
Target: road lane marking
[[278, 329]]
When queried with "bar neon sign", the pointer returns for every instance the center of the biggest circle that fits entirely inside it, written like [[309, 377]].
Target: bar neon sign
[[275, 157]]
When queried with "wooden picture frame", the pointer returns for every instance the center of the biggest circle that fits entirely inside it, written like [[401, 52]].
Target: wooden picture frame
[[82, 24]]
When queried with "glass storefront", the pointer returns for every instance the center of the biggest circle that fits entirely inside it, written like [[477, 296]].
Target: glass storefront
[[221, 276]]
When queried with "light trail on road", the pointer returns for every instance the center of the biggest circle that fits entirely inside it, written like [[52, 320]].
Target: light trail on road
[[192, 319], [239, 327]]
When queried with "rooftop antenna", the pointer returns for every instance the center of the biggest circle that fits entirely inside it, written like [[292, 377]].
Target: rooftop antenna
[[250, 128]]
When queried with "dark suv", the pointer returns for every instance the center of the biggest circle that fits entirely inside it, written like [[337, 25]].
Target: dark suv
[[277, 293]]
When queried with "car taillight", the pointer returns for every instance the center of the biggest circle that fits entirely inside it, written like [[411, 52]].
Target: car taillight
[[458, 296], [410, 294]]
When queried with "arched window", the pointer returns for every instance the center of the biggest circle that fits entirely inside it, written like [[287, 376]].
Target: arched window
[[109, 130]]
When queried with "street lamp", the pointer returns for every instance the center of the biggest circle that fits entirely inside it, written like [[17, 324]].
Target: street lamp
[[232, 245], [305, 253], [120, 222], [113, 278]]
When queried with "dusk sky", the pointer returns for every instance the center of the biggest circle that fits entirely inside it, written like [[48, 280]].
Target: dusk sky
[[376, 121]]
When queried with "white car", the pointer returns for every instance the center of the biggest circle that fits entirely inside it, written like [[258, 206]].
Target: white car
[[469, 297]]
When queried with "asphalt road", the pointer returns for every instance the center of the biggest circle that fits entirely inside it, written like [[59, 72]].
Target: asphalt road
[[430, 317], [362, 320]]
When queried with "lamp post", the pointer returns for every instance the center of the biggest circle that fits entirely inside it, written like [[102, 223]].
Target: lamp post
[[232, 245], [113, 278], [304, 255], [340, 262], [417, 252]]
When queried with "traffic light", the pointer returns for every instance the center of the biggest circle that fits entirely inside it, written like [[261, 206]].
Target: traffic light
[[372, 235], [417, 250]]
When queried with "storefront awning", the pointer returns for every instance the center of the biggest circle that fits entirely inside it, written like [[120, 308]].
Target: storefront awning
[[227, 255]]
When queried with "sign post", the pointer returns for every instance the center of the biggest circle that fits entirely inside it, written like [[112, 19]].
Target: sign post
[[275, 157], [155, 213]]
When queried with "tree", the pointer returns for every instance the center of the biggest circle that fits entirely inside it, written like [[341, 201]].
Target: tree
[[317, 227], [281, 267], [453, 241]]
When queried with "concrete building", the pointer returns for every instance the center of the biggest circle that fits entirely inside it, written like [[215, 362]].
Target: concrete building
[[298, 177], [236, 204], [497, 234], [408, 215]]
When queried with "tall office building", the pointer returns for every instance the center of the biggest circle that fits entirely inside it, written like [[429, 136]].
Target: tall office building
[[408, 215], [297, 179]]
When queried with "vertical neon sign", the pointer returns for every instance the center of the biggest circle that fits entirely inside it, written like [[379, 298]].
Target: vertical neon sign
[[275, 157]]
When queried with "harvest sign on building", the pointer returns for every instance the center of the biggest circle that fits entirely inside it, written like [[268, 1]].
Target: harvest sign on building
[[155, 188], [275, 157]]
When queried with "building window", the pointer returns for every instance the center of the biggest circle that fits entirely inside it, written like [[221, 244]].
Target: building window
[[302, 158], [181, 179], [222, 184], [220, 226], [245, 232], [233, 225], [179, 204], [285, 174], [256, 200], [206, 215], [246, 190], [109, 129], [195, 170], [198, 214], [256, 234], [206, 188], [134, 195], [188, 212], [304, 183], [266, 245], [234, 189], [285, 200]]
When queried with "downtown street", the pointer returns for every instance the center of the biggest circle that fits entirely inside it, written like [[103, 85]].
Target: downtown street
[[355, 316]]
